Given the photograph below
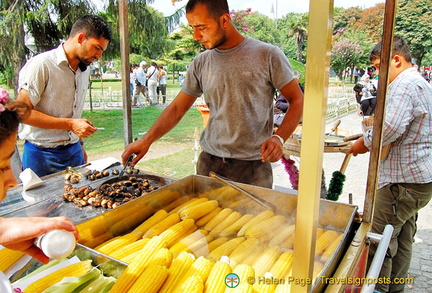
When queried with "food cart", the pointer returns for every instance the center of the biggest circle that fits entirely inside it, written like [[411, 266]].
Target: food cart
[[305, 209]]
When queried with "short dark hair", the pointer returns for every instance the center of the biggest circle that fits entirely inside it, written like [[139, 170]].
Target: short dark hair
[[93, 26], [400, 47], [11, 117], [216, 7]]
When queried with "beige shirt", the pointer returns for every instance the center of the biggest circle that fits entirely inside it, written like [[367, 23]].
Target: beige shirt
[[54, 89]]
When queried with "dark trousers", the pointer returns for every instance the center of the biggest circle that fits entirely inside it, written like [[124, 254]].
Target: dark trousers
[[248, 172]]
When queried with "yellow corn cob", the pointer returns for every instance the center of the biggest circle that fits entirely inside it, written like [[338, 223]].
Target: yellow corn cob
[[288, 244], [123, 225], [204, 220], [177, 231], [324, 241], [267, 259], [138, 265], [331, 248], [179, 267], [282, 266], [218, 218], [200, 247], [242, 288], [74, 270], [118, 243], [200, 210], [150, 222], [236, 226], [204, 250], [326, 216], [162, 257], [92, 242], [216, 280], [9, 257], [193, 284], [162, 225], [176, 203], [189, 203], [319, 232], [225, 248], [283, 235], [243, 250], [257, 219], [244, 272], [187, 241], [150, 280], [162, 198], [195, 202], [283, 288], [341, 217], [200, 268], [130, 248], [232, 218], [262, 229], [265, 285], [129, 258], [253, 256]]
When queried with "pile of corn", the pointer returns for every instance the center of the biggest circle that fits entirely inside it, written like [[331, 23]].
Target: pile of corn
[[193, 243]]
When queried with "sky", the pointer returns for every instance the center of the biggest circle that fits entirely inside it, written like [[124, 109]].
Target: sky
[[264, 7]]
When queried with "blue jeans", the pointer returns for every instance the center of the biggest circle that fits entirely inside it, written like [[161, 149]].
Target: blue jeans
[[44, 161]]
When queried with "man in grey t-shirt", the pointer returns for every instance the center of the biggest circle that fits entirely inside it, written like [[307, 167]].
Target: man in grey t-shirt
[[238, 77]]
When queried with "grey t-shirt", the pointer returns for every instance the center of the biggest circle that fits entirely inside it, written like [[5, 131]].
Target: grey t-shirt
[[238, 86]]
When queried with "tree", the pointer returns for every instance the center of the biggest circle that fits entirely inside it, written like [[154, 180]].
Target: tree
[[345, 54], [414, 24], [345, 18], [297, 28]]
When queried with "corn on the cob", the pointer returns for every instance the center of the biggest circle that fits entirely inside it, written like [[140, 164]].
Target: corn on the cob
[[236, 226], [178, 231], [204, 220], [184, 243], [205, 249], [326, 216], [244, 272], [118, 243], [318, 266], [225, 248], [123, 225], [189, 203], [253, 255], [138, 265], [265, 284], [162, 257], [242, 288], [129, 258], [92, 242], [283, 288], [243, 250], [162, 198], [257, 219], [319, 232], [200, 268], [193, 284], [130, 248], [9, 257], [162, 225], [200, 210], [283, 235], [232, 218], [223, 214], [150, 222], [282, 266], [75, 270], [176, 203], [341, 217], [179, 267], [266, 261], [331, 248], [324, 241], [195, 202], [288, 244], [150, 280], [216, 280], [263, 228]]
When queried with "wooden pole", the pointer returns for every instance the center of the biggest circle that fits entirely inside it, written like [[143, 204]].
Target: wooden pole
[[311, 155], [374, 160], [125, 76]]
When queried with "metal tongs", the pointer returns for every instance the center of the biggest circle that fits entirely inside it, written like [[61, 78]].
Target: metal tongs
[[128, 161], [250, 195]]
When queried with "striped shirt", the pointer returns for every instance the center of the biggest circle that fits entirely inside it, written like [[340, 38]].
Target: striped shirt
[[408, 128]]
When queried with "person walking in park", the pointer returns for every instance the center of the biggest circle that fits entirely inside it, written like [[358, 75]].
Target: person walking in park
[[54, 85], [405, 177], [238, 76]]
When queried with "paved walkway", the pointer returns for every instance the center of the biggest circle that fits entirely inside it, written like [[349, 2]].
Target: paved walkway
[[355, 183]]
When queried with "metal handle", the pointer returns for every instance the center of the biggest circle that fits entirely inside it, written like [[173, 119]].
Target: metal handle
[[253, 197], [128, 161]]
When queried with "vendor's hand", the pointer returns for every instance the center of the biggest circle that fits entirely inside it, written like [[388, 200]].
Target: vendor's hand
[[83, 127], [21, 233], [358, 147], [271, 150], [139, 148]]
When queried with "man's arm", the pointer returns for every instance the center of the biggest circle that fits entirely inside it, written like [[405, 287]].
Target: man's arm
[[272, 149], [169, 118], [81, 127]]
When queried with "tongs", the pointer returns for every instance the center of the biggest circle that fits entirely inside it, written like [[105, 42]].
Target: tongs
[[128, 161], [250, 195]]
